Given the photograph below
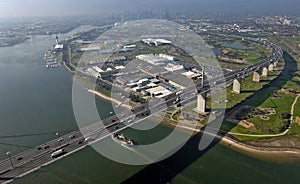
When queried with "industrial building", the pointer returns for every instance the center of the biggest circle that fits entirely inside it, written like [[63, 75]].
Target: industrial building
[[58, 47], [172, 67], [158, 92], [155, 42], [177, 80], [152, 59]]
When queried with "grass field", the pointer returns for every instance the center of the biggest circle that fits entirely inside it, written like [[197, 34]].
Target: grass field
[[88, 84], [282, 104], [249, 51]]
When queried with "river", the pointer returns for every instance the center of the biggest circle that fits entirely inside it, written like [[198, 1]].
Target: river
[[37, 100]]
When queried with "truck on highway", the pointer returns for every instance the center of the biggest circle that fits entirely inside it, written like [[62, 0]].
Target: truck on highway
[[57, 153]]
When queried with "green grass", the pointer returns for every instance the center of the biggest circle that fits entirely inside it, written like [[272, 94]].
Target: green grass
[[103, 91], [297, 108], [76, 56], [252, 51], [168, 116], [227, 126], [244, 138], [264, 99], [295, 129], [295, 39], [86, 83]]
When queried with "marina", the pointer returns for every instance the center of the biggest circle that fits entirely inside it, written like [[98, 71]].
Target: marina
[[51, 61]]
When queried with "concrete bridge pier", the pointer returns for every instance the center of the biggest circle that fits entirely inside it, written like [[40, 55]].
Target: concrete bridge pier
[[236, 88], [201, 103], [265, 72], [271, 67], [256, 77]]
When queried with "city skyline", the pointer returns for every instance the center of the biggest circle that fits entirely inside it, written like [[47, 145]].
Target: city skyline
[[35, 8]]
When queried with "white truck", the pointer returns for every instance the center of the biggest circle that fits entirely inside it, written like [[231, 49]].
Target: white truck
[[57, 153]]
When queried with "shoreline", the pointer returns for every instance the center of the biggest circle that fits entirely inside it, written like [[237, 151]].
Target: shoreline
[[15, 43], [267, 154], [270, 154], [98, 94], [109, 99]]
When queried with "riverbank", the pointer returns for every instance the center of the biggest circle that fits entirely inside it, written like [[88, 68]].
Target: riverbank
[[11, 43], [272, 154], [118, 103], [98, 94]]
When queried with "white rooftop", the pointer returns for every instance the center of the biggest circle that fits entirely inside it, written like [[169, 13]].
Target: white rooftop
[[59, 46], [188, 74], [119, 67], [159, 90], [156, 41]]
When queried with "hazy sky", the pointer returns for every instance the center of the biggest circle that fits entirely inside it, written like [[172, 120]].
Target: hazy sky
[[25, 8]]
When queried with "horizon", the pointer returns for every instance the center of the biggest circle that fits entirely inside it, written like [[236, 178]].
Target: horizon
[[12, 9]]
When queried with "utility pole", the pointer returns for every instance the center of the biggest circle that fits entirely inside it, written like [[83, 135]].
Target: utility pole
[[9, 156], [202, 80]]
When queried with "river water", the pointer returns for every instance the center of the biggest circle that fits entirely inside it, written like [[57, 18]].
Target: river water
[[37, 100]]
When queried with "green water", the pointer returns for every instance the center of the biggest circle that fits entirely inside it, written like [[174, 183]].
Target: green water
[[217, 165], [36, 100]]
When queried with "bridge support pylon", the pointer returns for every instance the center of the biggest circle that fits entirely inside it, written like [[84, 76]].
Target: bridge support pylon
[[265, 72], [271, 67], [236, 88], [201, 103], [256, 77]]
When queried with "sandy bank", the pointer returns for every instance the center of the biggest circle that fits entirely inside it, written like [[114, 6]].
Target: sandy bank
[[271, 154], [109, 99]]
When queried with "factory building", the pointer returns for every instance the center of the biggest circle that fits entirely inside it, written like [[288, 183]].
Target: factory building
[[156, 42]]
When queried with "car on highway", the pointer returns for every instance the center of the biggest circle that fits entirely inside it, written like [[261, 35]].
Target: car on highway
[[60, 139], [57, 153], [72, 136], [47, 147], [87, 139], [20, 158]]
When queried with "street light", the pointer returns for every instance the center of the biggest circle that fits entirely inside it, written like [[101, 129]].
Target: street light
[[9, 156], [202, 80], [57, 134]]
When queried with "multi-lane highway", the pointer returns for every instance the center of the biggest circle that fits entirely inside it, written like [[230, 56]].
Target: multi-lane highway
[[30, 160]]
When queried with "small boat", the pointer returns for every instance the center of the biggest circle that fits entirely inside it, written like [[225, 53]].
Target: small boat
[[120, 138]]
